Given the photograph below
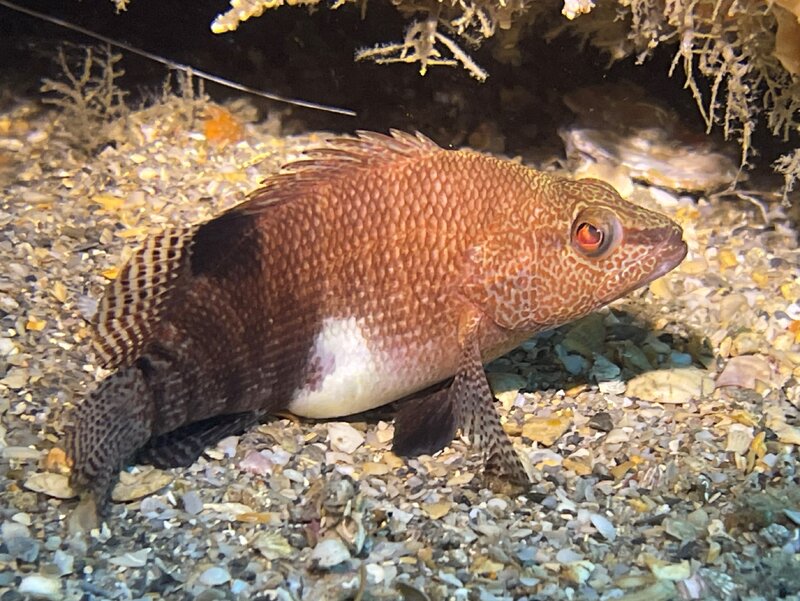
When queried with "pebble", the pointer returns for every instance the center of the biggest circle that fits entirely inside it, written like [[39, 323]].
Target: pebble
[[131, 559], [23, 548], [192, 503], [546, 430], [601, 421], [272, 545], [604, 527], [20, 453], [568, 556], [330, 553], [50, 484], [64, 562], [214, 576], [139, 484], [41, 587]]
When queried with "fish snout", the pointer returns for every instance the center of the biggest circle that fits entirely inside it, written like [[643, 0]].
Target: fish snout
[[671, 252]]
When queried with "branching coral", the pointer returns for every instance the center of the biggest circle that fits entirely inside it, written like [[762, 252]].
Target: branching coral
[[430, 39], [789, 166], [89, 99], [421, 45], [242, 10]]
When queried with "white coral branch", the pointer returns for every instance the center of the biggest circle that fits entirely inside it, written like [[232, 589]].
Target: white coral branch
[[420, 46]]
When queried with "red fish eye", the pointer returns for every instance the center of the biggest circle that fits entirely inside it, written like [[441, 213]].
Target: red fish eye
[[588, 237]]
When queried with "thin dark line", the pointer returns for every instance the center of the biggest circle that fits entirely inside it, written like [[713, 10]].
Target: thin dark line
[[175, 65]]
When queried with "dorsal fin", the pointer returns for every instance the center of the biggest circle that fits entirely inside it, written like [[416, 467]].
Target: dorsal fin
[[338, 159], [135, 302]]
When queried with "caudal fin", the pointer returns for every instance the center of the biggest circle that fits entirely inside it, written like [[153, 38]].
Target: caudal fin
[[106, 429]]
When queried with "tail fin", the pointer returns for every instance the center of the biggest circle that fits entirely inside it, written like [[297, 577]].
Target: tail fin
[[107, 429]]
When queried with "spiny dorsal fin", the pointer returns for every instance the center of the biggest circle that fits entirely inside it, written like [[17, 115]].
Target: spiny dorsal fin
[[133, 303], [337, 160]]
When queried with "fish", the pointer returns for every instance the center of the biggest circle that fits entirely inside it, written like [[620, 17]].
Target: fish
[[372, 269]]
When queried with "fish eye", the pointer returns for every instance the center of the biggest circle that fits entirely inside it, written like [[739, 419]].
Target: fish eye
[[595, 232], [588, 237]]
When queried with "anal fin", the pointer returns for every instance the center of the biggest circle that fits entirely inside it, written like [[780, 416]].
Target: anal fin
[[182, 447]]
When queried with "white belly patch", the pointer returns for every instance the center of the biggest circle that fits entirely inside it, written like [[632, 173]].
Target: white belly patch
[[346, 375]]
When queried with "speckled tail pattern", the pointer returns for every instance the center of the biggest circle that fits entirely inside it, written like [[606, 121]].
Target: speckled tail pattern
[[107, 428]]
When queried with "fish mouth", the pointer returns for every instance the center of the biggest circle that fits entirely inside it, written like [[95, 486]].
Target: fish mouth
[[674, 251]]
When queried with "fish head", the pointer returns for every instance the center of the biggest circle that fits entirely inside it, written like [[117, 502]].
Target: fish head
[[579, 246], [608, 247]]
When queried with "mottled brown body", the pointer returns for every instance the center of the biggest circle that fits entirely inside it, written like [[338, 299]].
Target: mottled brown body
[[370, 271]]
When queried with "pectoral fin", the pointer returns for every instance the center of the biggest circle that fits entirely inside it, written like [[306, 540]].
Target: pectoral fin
[[473, 402]]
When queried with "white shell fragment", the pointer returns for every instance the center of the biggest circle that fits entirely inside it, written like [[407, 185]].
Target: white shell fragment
[[41, 587], [671, 385], [344, 437], [329, 553]]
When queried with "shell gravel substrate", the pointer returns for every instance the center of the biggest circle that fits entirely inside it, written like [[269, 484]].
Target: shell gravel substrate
[[661, 432]]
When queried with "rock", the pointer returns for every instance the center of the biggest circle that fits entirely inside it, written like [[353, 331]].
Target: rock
[[50, 484], [131, 559], [273, 545], [256, 463], [681, 530], [16, 378], [18, 541], [192, 503], [133, 486], [437, 511], [505, 386], [604, 527], [578, 572], [214, 576], [23, 548], [41, 587], [663, 570], [329, 553], [64, 562], [601, 421], [11, 530], [546, 430]]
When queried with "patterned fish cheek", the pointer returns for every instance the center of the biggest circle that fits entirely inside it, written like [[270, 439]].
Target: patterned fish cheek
[[624, 272]]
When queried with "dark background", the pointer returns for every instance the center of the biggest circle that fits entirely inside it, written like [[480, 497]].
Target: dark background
[[309, 55]]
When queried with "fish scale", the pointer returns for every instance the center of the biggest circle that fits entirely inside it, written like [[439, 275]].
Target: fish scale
[[375, 269]]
